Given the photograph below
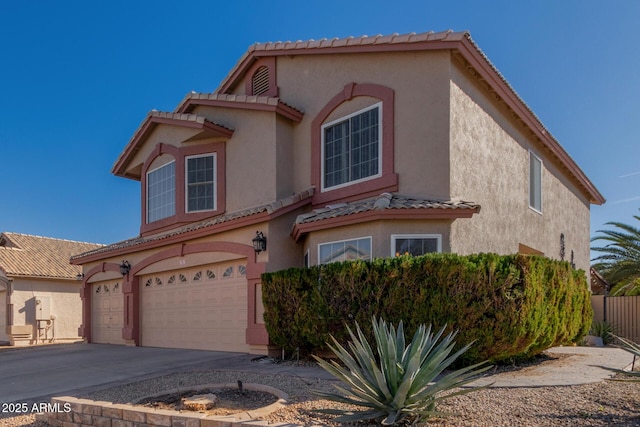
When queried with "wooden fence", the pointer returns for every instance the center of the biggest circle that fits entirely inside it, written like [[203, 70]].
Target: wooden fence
[[623, 313]]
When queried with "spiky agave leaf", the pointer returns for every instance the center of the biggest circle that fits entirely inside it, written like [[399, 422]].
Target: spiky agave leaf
[[402, 381]]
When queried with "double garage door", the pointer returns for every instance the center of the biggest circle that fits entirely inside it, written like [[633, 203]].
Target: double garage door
[[199, 308]]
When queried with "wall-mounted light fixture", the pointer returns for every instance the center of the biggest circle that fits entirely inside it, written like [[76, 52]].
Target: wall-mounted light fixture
[[80, 276], [259, 242], [125, 267]]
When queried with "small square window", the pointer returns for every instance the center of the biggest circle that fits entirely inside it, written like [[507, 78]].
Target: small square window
[[200, 190]]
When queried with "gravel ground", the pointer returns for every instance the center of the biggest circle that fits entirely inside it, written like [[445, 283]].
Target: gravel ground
[[608, 403]]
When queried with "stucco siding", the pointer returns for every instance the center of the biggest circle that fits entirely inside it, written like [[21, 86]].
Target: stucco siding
[[64, 301], [420, 84], [3, 314], [490, 166]]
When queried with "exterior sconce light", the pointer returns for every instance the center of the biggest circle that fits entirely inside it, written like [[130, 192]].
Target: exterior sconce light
[[125, 267], [80, 276], [259, 242]]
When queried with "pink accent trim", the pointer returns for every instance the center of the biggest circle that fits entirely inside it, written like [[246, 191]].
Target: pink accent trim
[[389, 180], [181, 216], [86, 296], [270, 63], [131, 328], [388, 214]]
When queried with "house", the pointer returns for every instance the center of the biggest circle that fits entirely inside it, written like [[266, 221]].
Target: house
[[39, 290], [332, 149]]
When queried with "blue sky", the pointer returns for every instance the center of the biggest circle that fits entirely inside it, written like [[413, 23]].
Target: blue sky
[[78, 77]]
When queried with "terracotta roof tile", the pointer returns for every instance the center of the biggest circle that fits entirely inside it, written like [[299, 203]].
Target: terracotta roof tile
[[382, 202], [250, 99], [269, 208], [35, 256]]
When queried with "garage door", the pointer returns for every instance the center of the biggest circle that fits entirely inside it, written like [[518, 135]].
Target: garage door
[[200, 308], [107, 313]]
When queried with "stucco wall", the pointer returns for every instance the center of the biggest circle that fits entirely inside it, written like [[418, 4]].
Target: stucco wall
[[65, 305], [3, 314], [490, 166], [420, 84]]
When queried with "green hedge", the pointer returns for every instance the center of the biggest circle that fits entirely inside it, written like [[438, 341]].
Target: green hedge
[[512, 305]]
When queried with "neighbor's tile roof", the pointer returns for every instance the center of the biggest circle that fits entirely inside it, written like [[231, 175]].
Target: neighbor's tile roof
[[382, 202], [268, 208], [35, 256]]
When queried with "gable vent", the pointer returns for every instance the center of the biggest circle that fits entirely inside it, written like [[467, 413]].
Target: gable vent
[[260, 82]]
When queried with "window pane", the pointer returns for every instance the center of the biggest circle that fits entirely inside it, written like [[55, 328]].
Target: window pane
[[200, 183], [351, 149], [535, 182], [346, 250], [415, 246], [161, 195]]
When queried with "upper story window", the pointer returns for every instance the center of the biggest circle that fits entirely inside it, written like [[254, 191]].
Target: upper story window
[[535, 182], [352, 148], [345, 250], [161, 192], [200, 183], [415, 244]]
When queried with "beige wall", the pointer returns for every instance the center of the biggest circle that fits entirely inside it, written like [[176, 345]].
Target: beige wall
[[490, 166], [65, 305], [419, 81]]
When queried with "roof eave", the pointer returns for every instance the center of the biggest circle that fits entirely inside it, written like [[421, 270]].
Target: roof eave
[[374, 215], [152, 120]]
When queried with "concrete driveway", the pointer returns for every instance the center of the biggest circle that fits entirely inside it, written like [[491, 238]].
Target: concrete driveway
[[34, 374]]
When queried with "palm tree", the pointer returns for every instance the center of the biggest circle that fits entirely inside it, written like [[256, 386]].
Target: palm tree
[[620, 259]]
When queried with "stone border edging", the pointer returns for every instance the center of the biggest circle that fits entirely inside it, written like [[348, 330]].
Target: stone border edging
[[75, 412]]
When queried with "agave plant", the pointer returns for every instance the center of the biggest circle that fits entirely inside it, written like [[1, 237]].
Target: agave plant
[[400, 384], [632, 348]]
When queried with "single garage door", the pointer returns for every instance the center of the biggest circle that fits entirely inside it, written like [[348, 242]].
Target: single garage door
[[107, 313], [201, 308]]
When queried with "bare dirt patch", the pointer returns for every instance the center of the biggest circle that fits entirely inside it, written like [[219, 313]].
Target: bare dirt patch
[[230, 401]]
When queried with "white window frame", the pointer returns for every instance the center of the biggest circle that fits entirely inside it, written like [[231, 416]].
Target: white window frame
[[369, 238], [186, 182], [394, 237], [532, 181], [149, 172], [322, 147]]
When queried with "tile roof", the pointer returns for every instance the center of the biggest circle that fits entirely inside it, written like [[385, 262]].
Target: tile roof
[[383, 202], [267, 208], [35, 256], [316, 46]]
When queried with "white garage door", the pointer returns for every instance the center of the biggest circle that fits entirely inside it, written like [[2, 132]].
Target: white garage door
[[200, 308], [107, 313]]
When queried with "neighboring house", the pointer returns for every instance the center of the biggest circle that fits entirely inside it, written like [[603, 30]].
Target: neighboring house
[[333, 149], [39, 290]]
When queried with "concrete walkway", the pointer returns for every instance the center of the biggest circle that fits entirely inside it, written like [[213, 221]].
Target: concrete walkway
[[573, 366]]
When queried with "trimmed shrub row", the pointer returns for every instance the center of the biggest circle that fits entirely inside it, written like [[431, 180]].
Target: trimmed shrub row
[[511, 306]]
